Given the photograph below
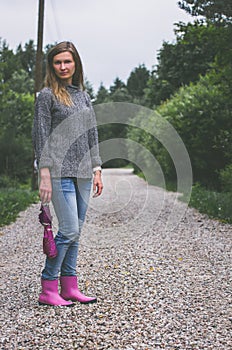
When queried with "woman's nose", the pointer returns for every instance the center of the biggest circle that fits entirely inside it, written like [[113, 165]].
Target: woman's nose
[[62, 65]]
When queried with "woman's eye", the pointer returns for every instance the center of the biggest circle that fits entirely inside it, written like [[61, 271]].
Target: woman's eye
[[65, 62]]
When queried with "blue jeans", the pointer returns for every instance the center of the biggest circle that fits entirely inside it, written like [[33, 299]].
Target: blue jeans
[[70, 198]]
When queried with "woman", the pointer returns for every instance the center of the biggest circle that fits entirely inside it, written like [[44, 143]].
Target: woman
[[66, 146]]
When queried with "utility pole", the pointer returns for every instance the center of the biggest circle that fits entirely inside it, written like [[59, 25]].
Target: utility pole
[[38, 72], [39, 52]]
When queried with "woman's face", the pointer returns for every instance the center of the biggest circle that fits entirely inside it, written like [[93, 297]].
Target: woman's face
[[64, 66]]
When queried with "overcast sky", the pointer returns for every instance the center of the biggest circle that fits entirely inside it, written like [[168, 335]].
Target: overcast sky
[[112, 37]]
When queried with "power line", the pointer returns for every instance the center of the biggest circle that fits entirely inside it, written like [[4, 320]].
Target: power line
[[54, 13]]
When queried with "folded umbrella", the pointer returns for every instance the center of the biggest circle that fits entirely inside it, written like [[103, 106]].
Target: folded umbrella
[[49, 245]]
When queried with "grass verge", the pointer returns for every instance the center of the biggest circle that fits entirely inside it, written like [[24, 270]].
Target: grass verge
[[217, 205], [12, 201]]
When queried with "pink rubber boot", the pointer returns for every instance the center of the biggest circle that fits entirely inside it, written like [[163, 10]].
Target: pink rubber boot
[[50, 295], [70, 291]]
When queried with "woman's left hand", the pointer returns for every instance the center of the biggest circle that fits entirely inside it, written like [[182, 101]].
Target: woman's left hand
[[97, 184]]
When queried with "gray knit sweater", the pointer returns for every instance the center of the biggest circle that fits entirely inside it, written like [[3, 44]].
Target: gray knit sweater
[[65, 138]]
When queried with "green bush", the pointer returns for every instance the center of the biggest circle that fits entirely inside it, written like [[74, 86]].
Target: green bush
[[201, 114], [7, 182], [16, 115], [226, 178], [12, 201]]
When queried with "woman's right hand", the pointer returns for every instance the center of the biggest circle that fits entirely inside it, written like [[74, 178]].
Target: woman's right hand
[[45, 186]]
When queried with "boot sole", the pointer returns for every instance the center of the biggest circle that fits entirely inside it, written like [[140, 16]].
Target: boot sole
[[43, 304], [88, 302]]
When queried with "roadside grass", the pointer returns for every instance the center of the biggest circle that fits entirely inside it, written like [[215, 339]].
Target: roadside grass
[[217, 205], [12, 201]]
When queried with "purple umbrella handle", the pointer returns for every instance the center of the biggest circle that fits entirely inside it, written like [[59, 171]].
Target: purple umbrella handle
[[45, 217]]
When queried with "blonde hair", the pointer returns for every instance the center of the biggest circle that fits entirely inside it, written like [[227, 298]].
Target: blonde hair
[[56, 84]]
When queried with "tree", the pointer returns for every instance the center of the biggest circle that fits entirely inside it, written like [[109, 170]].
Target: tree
[[197, 46], [8, 62], [201, 114], [17, 69], [121, 95], [27, 57], [89, 88], [118, 84], [102, 95], [218, 11], [21, 82], [137, 81], [118, 92], [16, 113]]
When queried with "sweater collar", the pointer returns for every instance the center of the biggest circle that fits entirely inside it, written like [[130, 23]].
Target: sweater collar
[[74, 87]]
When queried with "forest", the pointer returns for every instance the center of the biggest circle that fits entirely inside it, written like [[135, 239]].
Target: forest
[[190, 86]]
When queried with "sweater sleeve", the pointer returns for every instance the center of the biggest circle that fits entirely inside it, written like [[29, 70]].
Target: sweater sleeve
[[93, 136], [42, 128]]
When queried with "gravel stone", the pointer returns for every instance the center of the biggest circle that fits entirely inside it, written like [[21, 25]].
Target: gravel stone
[[157, 288]]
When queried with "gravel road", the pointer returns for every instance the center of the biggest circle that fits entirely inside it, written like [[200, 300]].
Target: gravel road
[[161, 272]]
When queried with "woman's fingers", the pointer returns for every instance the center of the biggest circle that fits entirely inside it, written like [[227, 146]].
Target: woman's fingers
[[97, 186], [45, 195]]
